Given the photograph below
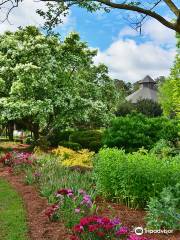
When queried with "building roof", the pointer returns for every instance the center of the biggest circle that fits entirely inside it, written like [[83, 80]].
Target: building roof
[[147, 79], [143, 93]]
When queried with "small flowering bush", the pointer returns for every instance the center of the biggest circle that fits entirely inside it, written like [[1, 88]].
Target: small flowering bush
[[98, 227], [15, 158], [70, 207], [52, 212], [70, 157]]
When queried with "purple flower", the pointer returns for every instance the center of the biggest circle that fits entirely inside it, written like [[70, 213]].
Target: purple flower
[[87, 201], [70, 194], [115, 221], [81, 191], [37, 174]]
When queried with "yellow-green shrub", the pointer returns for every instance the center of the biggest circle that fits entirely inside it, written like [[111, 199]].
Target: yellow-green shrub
[[70, 157]]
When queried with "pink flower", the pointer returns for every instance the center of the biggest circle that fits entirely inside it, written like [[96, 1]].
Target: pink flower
[[77, 210], [81, 191], [122, 231], [135, 237]]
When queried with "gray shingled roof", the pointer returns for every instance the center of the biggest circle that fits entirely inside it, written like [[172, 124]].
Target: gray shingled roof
[[144, 92], [147, 79]]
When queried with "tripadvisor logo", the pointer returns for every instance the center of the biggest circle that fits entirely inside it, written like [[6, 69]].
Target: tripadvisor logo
[[140, 231]]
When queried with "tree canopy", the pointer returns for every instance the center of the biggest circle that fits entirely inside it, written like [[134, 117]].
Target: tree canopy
[[170, 88], [45, 82], [59, 8]]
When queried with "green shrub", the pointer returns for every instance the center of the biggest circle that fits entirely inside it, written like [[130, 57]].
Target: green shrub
[[29, 140], [125, 108], [162, 148], [134, 178], [95, 146], [135, 131], [58, 136], [148, 107], [164, 211], [90, 139], [72, 145]]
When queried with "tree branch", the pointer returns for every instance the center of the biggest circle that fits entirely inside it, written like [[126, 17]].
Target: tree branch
[[173, 7], [143, 11]]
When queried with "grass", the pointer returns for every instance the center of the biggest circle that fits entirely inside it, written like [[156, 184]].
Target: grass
[[12, 215]]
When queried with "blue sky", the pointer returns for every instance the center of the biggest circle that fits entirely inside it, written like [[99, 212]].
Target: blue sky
[[128, 55]]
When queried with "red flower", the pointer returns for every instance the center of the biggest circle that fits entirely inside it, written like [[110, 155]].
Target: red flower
[[93, 228], [108, 226], [64, 191], [78, 228], [105, 220], [100, 234], [84, 221]]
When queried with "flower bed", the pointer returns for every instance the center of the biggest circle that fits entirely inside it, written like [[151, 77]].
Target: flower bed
[[69, 202], [69, 157]]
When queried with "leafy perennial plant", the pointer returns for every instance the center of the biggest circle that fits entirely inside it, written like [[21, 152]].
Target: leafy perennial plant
[[70, 206]]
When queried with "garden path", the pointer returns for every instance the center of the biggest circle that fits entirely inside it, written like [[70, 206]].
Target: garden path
[[39, 226]]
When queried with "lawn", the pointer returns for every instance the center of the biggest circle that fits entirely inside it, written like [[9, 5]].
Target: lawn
[[12, 218]]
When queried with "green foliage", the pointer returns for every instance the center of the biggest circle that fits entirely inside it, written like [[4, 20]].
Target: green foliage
[[12, 218], [58, 136], [148, 108], [29, 140], [164, 211], [125, 108], [134, 178], [170, 89], [145, 106], [90, 139], [163, 148], [54, 176], [135, 131], [72, 145], [50, 83]]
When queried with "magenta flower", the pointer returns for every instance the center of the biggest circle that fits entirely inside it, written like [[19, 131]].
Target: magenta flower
[[122, 231]]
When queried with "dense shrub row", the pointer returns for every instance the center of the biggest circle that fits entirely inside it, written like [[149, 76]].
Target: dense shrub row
[[134, 178], [89, 139], [76, 140], [134, 131]]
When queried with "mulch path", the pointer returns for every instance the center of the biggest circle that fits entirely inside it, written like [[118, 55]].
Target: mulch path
[[132, 218], [40, 228]]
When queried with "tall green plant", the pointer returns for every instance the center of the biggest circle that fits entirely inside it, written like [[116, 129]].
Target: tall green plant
[[134, 178]]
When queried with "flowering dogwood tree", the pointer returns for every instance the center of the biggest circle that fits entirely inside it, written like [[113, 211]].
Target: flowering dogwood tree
[[45, 82]]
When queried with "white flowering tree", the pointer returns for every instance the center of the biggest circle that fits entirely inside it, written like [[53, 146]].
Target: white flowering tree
[[45, 82]]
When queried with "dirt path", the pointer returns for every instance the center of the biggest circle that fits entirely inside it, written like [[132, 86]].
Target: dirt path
[[39, 226]]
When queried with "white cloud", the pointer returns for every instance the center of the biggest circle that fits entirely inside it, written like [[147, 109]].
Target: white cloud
[[130, 61], [158, 33], [127, 32], [24, 15]]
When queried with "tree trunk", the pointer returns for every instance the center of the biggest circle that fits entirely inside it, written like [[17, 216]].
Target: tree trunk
[[35, 131], [10, 130]]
